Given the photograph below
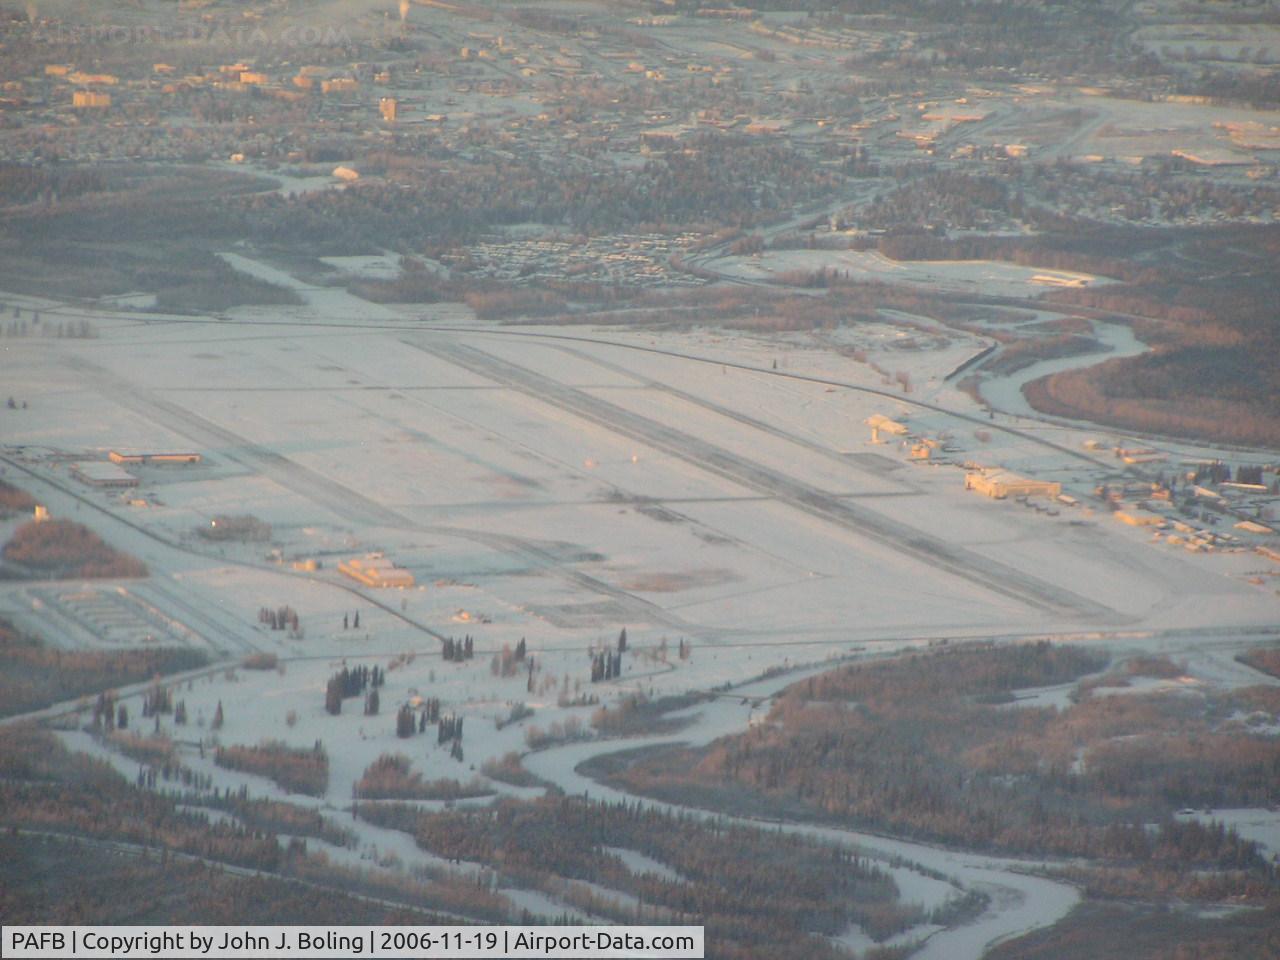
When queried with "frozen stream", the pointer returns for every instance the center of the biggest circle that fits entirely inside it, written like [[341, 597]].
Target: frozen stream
[[1019, 902], [1005, 393]]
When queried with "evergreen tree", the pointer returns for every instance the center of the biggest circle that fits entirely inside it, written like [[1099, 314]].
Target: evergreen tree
[[404, 722]]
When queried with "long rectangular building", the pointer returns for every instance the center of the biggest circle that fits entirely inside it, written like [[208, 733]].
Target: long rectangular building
[[375, 570], [115, 456], [999, 484]]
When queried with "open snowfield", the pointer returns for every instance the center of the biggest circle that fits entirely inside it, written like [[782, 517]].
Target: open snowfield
[[989, 277], [558, 484]]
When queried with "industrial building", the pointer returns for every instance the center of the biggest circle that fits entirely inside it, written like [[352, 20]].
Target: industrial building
[[376, 570], [999, 484], [90, 99], [115, 456]]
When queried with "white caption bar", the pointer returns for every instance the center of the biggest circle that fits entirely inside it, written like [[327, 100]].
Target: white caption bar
[[234, 943]]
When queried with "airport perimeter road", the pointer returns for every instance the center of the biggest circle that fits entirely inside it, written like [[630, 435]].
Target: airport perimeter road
[[988, 574]]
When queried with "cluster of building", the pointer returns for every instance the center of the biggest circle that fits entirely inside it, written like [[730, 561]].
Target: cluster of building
[[112, 473], [376, 570], [633, 259]]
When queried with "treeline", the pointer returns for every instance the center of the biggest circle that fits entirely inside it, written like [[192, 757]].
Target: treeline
[[43, 786], [1207, 376], [298, 771], [718, 179], [56, 881], [65, 549], [1267, 660], [352, 682], [279, 817], [33, 675], [23, 184], [14, 499], [1022, 353], [920, 746], [1170, 392], [1128, 931], [760, 894], [46, 787], [390, 778]]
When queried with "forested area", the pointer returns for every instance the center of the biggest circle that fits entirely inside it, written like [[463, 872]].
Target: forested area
[[14, 499], [719, 180], [298, 771], [390, 778], [1207, 375], [35, 675], [1128, 931], [44, 786], [64, 549], [63, 881], [48, 789], [929, 746], [760, 894], [1203, 299], [1265, 659]]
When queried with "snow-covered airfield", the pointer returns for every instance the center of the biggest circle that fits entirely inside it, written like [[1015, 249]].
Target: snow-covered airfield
[[557, 485]]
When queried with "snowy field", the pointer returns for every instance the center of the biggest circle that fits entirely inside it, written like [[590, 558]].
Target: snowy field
[[557, 485], [989, 277]]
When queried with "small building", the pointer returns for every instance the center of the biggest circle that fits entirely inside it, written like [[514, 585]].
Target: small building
[[253, 77], [94, 79], [90, 100], [1000, 484], [376, 570], [389, 107], [97, 473], [338, 85], [1252, 526], [41, 513], [1138, 519], [57, 69], [879, 423], [346, 173], [115, 456]]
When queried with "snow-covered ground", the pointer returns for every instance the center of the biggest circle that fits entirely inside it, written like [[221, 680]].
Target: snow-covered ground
[[989, 277], [558, 484]]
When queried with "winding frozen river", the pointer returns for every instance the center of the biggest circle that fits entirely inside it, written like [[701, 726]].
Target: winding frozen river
[[1005, 393], [1019, 902]]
